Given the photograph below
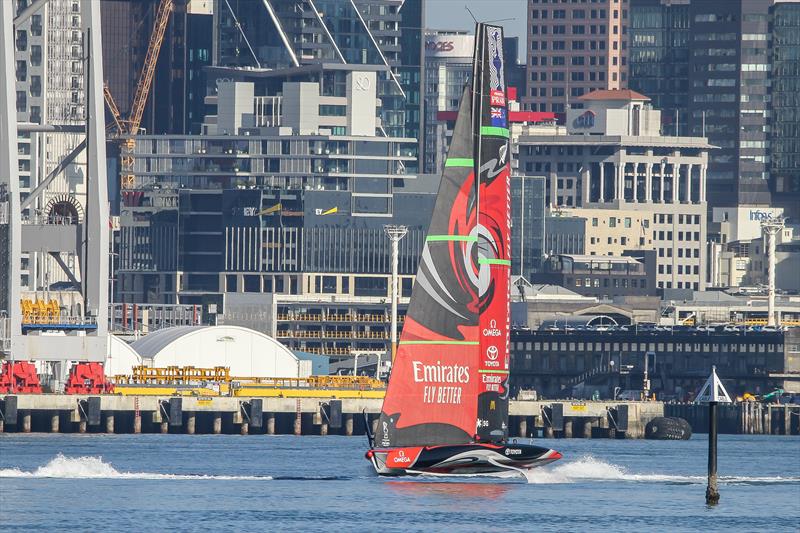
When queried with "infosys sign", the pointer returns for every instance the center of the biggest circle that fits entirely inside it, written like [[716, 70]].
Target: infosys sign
[[449, 45]]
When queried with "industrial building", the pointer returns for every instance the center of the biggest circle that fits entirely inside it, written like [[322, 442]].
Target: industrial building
[[559, 362]]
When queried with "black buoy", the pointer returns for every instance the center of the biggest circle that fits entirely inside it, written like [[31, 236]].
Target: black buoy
[[668, 428]]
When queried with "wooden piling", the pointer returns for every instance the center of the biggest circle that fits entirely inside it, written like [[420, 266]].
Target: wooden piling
[[244, 429], [164, 427], [82, 426], [348, 424], [137, 422], [298, 425], [270, 423], [2, 425], [191, 422], [523, 426], [216, 426], [323, 429], [26, 421], [587, 428], [110, 422]]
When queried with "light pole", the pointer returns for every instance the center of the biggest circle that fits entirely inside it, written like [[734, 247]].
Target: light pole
[[771, 227], [395, 233]]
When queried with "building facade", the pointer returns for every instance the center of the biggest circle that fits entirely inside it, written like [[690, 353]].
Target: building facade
[[574, 48], [365, 32], [636, 189], [271, 200], [601, 276]]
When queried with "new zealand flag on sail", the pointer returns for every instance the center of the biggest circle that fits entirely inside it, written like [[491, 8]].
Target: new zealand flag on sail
[[498, 116]]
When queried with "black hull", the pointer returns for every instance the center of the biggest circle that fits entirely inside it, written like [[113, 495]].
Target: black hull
[[460, 459]]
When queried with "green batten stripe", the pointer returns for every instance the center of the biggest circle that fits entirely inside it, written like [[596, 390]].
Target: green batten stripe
[[459, 162], [459, 343], [492, 371], [438, 238], [497, 132], [484, 261]]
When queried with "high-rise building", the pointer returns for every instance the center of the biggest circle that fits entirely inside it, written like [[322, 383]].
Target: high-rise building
[[338, 36], [785, 134], [658, 64], [527, 223], [727, 70], [574, 48]]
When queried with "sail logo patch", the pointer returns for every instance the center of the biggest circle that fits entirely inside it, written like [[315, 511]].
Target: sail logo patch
[[498, 117], [497, 97], [492, 330], [492, 353], [495, 41], [402, 458]]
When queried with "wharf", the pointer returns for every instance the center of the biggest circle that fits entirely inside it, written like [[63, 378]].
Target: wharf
[[326, 414]]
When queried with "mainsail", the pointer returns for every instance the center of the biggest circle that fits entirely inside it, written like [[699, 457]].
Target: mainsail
[[449, 382]]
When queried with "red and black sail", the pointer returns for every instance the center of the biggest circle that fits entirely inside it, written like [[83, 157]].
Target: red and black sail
[[449, 381]]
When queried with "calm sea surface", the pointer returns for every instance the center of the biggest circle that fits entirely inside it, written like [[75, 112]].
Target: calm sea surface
[[286, 483]]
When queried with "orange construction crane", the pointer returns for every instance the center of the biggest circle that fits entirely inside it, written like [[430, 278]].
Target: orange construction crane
[[130, 127]]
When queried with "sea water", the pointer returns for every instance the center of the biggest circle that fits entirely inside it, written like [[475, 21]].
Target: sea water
[[287, 483]]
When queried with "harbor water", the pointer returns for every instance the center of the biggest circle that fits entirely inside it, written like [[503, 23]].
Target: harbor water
[[59, 482]]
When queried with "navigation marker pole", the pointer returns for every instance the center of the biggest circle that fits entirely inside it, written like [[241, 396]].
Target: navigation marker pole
[[395, 233], [712, 393]]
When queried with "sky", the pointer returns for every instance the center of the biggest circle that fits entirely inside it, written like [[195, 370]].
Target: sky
[[451, 15]]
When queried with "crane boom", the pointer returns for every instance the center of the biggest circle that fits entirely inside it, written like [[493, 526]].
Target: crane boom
[[149, 66]]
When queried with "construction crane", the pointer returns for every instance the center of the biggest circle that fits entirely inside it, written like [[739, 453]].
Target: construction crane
[[126, 129]]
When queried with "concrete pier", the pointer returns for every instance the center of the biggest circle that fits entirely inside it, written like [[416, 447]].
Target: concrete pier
[[567, 428], [586, 432], [192, 415]]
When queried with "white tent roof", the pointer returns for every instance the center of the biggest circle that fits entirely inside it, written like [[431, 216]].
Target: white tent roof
[[247, 352]]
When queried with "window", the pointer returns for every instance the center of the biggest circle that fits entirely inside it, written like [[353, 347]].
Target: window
[[612, 222], [627, 222]]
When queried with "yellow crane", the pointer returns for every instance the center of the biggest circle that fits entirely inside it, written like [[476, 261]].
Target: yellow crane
[[125, 129]]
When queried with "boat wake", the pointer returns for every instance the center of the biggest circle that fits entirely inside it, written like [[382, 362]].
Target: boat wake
[[591, 469], [95, 468]]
